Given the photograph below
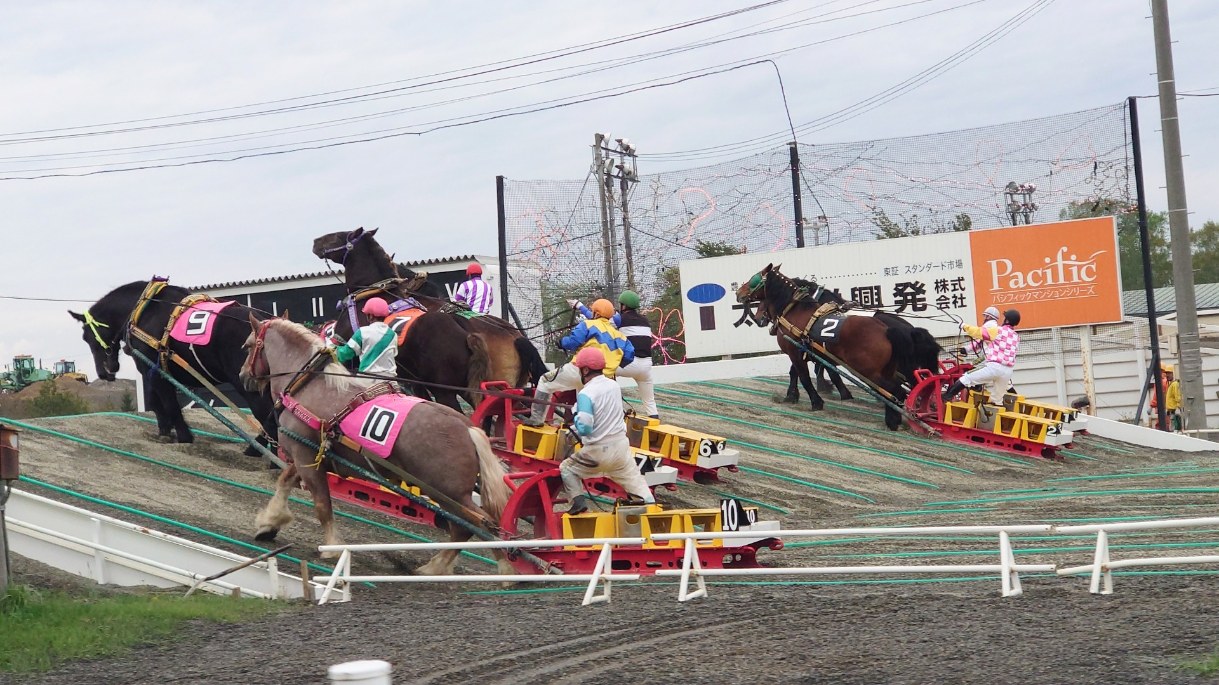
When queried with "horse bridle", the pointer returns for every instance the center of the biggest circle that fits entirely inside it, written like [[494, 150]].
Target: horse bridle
[[349, 243]]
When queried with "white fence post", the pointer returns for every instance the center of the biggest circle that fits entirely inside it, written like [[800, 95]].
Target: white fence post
[[690, 565], [1100, 565]]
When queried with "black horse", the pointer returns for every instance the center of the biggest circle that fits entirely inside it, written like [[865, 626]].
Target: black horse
[[445, 346], [106, 327]]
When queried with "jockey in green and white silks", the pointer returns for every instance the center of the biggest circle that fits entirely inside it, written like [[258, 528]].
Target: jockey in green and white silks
[[375, 344]]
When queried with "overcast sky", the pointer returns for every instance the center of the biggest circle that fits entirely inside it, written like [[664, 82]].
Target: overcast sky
[[78, 77]]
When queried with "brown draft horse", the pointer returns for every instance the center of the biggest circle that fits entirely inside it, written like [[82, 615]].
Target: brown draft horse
[[436, 444], [867, 346], [510, 356]]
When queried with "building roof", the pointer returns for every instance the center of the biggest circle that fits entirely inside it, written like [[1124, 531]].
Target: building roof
[[1134, 302], [326, 274]]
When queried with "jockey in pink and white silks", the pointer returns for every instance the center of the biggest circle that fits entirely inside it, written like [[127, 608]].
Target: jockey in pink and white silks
[[1001, 351], [375, 344], [474, 292], [606, 450]]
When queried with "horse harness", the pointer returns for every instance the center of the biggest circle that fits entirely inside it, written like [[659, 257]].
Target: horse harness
[[328, 428], [161, 345], [800, 295]]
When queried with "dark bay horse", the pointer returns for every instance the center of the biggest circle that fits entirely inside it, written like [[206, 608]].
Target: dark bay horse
[[926, 350], [511, 356], [867, 346], [433, 443], [105, 328]]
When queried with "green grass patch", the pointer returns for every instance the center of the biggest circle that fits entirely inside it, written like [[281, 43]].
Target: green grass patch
[[1208, 666], [43, 629]]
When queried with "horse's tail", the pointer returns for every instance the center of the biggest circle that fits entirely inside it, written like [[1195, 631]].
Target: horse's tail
[[479, 369], [926, 350], [492, 488], [901, 340], [531, 359]]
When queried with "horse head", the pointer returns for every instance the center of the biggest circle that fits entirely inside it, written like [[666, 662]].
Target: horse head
[[255, 371], [754, 290], [103, 337], [337, 246]]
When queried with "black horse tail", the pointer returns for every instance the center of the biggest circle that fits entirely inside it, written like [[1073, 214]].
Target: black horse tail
[[926, 350], [531, 359], [902, 342], [479, 369]]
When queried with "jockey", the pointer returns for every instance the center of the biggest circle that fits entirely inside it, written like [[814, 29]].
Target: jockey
[[990, 321], [598, 332], [474, 292], [638, 330], [375, 344], [1000, 359], [606, 450]]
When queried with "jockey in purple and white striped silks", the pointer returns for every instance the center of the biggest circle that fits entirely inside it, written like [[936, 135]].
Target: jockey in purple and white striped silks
[[475, 293]]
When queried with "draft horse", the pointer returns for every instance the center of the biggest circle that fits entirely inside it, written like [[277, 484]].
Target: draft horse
[[144, 315], [926, 350], [437, 446], [867, 346], [509, 355]]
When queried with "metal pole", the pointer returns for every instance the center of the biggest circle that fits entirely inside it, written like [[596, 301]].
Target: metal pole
[[797, 203], [606, 241], [1190, 371], [5, 488], [1153, 331], [503, 247], [626, 224]]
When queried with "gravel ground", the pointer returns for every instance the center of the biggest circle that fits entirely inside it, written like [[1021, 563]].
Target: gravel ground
[[853, 633]]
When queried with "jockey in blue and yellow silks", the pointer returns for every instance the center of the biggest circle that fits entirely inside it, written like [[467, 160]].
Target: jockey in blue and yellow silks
[[598, 332]]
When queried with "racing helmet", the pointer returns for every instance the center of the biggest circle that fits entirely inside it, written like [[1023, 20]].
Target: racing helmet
[[474, 269], [603, 308], [1011, 317], [589, 358], [629, 299], [991, 313], [376, 307]]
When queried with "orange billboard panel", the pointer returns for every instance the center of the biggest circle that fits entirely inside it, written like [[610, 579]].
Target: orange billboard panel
[[1058, 274]]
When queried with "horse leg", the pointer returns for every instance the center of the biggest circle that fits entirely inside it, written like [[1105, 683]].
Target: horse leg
[[843, 393], [807, 381], [152, 402], [793, 395], [275, 515], [314, 480], [449, 399], [168, 398], [822, 383], [893, 417], [442, 563]]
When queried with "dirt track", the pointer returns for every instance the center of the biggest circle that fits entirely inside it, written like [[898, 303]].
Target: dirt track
[[899, 633]]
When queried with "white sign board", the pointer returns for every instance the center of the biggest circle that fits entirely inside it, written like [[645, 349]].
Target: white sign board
[[926, 279]]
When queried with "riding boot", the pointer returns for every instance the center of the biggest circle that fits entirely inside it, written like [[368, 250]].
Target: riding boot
[[579, 505], [954, 389], [537, 415]]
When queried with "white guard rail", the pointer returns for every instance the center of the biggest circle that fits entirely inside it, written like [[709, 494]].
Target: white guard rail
[[1007, 567], [1102, 566], [602, 571], [691, 569]]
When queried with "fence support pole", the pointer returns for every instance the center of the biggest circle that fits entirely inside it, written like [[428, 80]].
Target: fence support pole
[[797, 203], [503, 248], [1136, 147]]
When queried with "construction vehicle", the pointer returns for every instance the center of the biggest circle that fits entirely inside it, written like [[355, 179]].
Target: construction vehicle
[[24, 372]]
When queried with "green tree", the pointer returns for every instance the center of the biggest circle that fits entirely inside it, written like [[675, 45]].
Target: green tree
[[887, 228], [1206, 253], [670, 299], [52, 402], [1129, 246]]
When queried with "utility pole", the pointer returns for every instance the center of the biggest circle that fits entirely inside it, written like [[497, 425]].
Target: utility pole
[[1190, 371], [797, 202], [607, 228], [628, 173]]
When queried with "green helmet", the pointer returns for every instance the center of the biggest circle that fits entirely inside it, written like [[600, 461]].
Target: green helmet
[[629, 299]]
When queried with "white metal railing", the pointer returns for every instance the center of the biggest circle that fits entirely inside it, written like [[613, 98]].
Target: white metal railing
[[1007, 567], [602, 570], [692, 569], [1102, 566]]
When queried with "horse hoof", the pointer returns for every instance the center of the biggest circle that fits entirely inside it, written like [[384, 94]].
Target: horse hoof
[[791, 399], [252, 452], [846, 396], [165, 439], [824, 386], [818, 406], [266, 534]]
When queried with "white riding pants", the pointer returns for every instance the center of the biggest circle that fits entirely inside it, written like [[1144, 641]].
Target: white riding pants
[[612, 459], [640, 371], [999, 376], [566, 377]]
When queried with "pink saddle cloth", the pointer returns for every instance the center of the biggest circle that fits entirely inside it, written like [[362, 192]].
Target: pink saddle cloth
[[376, 423], [194, 326]]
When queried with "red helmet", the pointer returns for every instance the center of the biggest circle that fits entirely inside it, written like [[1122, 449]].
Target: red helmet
[[376, 307], [590, 358], [474, 269]]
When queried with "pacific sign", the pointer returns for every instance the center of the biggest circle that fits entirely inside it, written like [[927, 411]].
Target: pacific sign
[[1059, 274]]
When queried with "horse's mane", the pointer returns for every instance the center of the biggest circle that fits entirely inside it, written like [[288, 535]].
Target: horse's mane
[[300, 336], [826, 294], [380, 258], [125, 296]]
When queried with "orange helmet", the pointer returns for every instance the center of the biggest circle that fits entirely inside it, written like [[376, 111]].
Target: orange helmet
[[590, 358], [603, 308]]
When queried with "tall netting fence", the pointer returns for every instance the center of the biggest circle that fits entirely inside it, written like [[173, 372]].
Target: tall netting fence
[[581, 239]]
